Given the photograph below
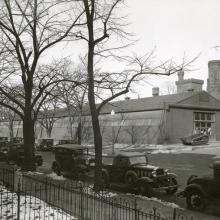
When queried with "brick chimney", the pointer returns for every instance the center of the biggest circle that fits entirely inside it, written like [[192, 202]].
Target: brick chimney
[[155, 91]]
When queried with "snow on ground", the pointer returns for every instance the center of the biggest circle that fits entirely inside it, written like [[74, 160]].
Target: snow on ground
[[30, 208], [167, 204], [89, 190], [54, 176], [210, 148]]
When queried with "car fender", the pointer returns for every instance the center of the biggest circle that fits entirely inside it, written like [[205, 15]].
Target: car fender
[[195, 186], [144, 179], [172, 175], [106, 173], [57, 163]]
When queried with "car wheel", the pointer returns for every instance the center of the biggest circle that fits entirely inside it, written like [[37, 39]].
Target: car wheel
[[145, 189], [105, 179], [130, 178], [5, 151], [195, 200], [39, 163], [19, 162], [173, 182], [190, 179], [3, 156], [56, 169]]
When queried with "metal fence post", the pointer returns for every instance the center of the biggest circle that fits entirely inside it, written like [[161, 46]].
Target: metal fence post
[[136, 210], [174, 214], [81, 201], [46, 182], [154, 214], [18, 202]]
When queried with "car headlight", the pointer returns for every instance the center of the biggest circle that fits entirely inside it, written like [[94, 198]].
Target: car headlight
[[154, 173], [166, 171]]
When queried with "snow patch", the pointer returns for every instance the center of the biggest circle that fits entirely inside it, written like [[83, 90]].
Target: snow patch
[[30, 208], [165, 203], [54, 176], [89, 190]]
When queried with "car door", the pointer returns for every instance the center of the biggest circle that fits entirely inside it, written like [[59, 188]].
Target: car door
[[119, 169]]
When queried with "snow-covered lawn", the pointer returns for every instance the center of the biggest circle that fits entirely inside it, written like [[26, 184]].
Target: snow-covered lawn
[[210, 148], [30, 208]]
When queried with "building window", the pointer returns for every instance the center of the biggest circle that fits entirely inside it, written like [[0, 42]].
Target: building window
[[204, 121]]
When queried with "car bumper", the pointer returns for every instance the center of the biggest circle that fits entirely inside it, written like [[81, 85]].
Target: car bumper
[[168, 187], [181, 194]]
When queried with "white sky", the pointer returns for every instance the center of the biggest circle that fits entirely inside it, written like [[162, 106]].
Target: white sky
[[176, 27]]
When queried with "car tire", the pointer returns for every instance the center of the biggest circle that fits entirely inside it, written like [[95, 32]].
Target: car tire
[[39, 163], [190, 179], [195, 200], [130, 177], [171, 191], [145, 189], [105, 178], [56, 169], [5, 151], [19, 162], [3, 156]]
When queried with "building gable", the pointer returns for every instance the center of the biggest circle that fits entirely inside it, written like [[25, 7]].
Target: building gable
[[202, 99]]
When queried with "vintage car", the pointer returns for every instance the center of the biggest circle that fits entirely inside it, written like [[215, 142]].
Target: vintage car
[[16, 155], [4, 145], [203, 191], [15, 140], [66, 141], [135, 172], [45, 144], [71, 160], [195, 139]]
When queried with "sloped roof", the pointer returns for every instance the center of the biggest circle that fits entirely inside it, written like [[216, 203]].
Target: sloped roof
[[146, 104], [142, 104]]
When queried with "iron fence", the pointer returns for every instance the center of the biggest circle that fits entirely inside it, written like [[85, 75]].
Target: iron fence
[[37, 197]]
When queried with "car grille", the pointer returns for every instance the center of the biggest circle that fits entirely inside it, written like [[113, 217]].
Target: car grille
[[160, 172]]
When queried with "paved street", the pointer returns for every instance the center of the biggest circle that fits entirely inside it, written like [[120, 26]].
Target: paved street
[[183, 164]]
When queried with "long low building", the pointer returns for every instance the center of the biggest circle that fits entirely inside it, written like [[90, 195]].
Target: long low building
[[157, 119]]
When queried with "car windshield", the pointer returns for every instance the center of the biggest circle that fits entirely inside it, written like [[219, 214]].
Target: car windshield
[[137, 159], [80, 152]]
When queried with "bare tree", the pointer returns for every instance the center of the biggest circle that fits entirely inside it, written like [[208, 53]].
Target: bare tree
[[74, 100], [10, 117], [104, 24], [47, 116], [28, 29]]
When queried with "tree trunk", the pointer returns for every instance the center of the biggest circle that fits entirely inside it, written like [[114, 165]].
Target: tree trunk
[[28, 131], [95, 122], [29, 141], [79, 132], [11, 129]]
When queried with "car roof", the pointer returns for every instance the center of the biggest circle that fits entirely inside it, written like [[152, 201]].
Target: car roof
[[70, 146], [130, 154]]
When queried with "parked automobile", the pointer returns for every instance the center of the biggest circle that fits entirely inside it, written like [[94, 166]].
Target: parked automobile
[[71, 159], [16, 155], [135, 172], [45, 144], [4, 145], [15, 140], [66, 141], [195, 139], [203, 191]]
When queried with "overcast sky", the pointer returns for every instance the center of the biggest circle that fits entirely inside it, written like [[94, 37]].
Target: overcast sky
[[176, 27]]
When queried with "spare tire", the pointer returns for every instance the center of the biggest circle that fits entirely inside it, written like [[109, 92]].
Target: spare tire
[[190, 179], [131, 177], [56, 168]]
